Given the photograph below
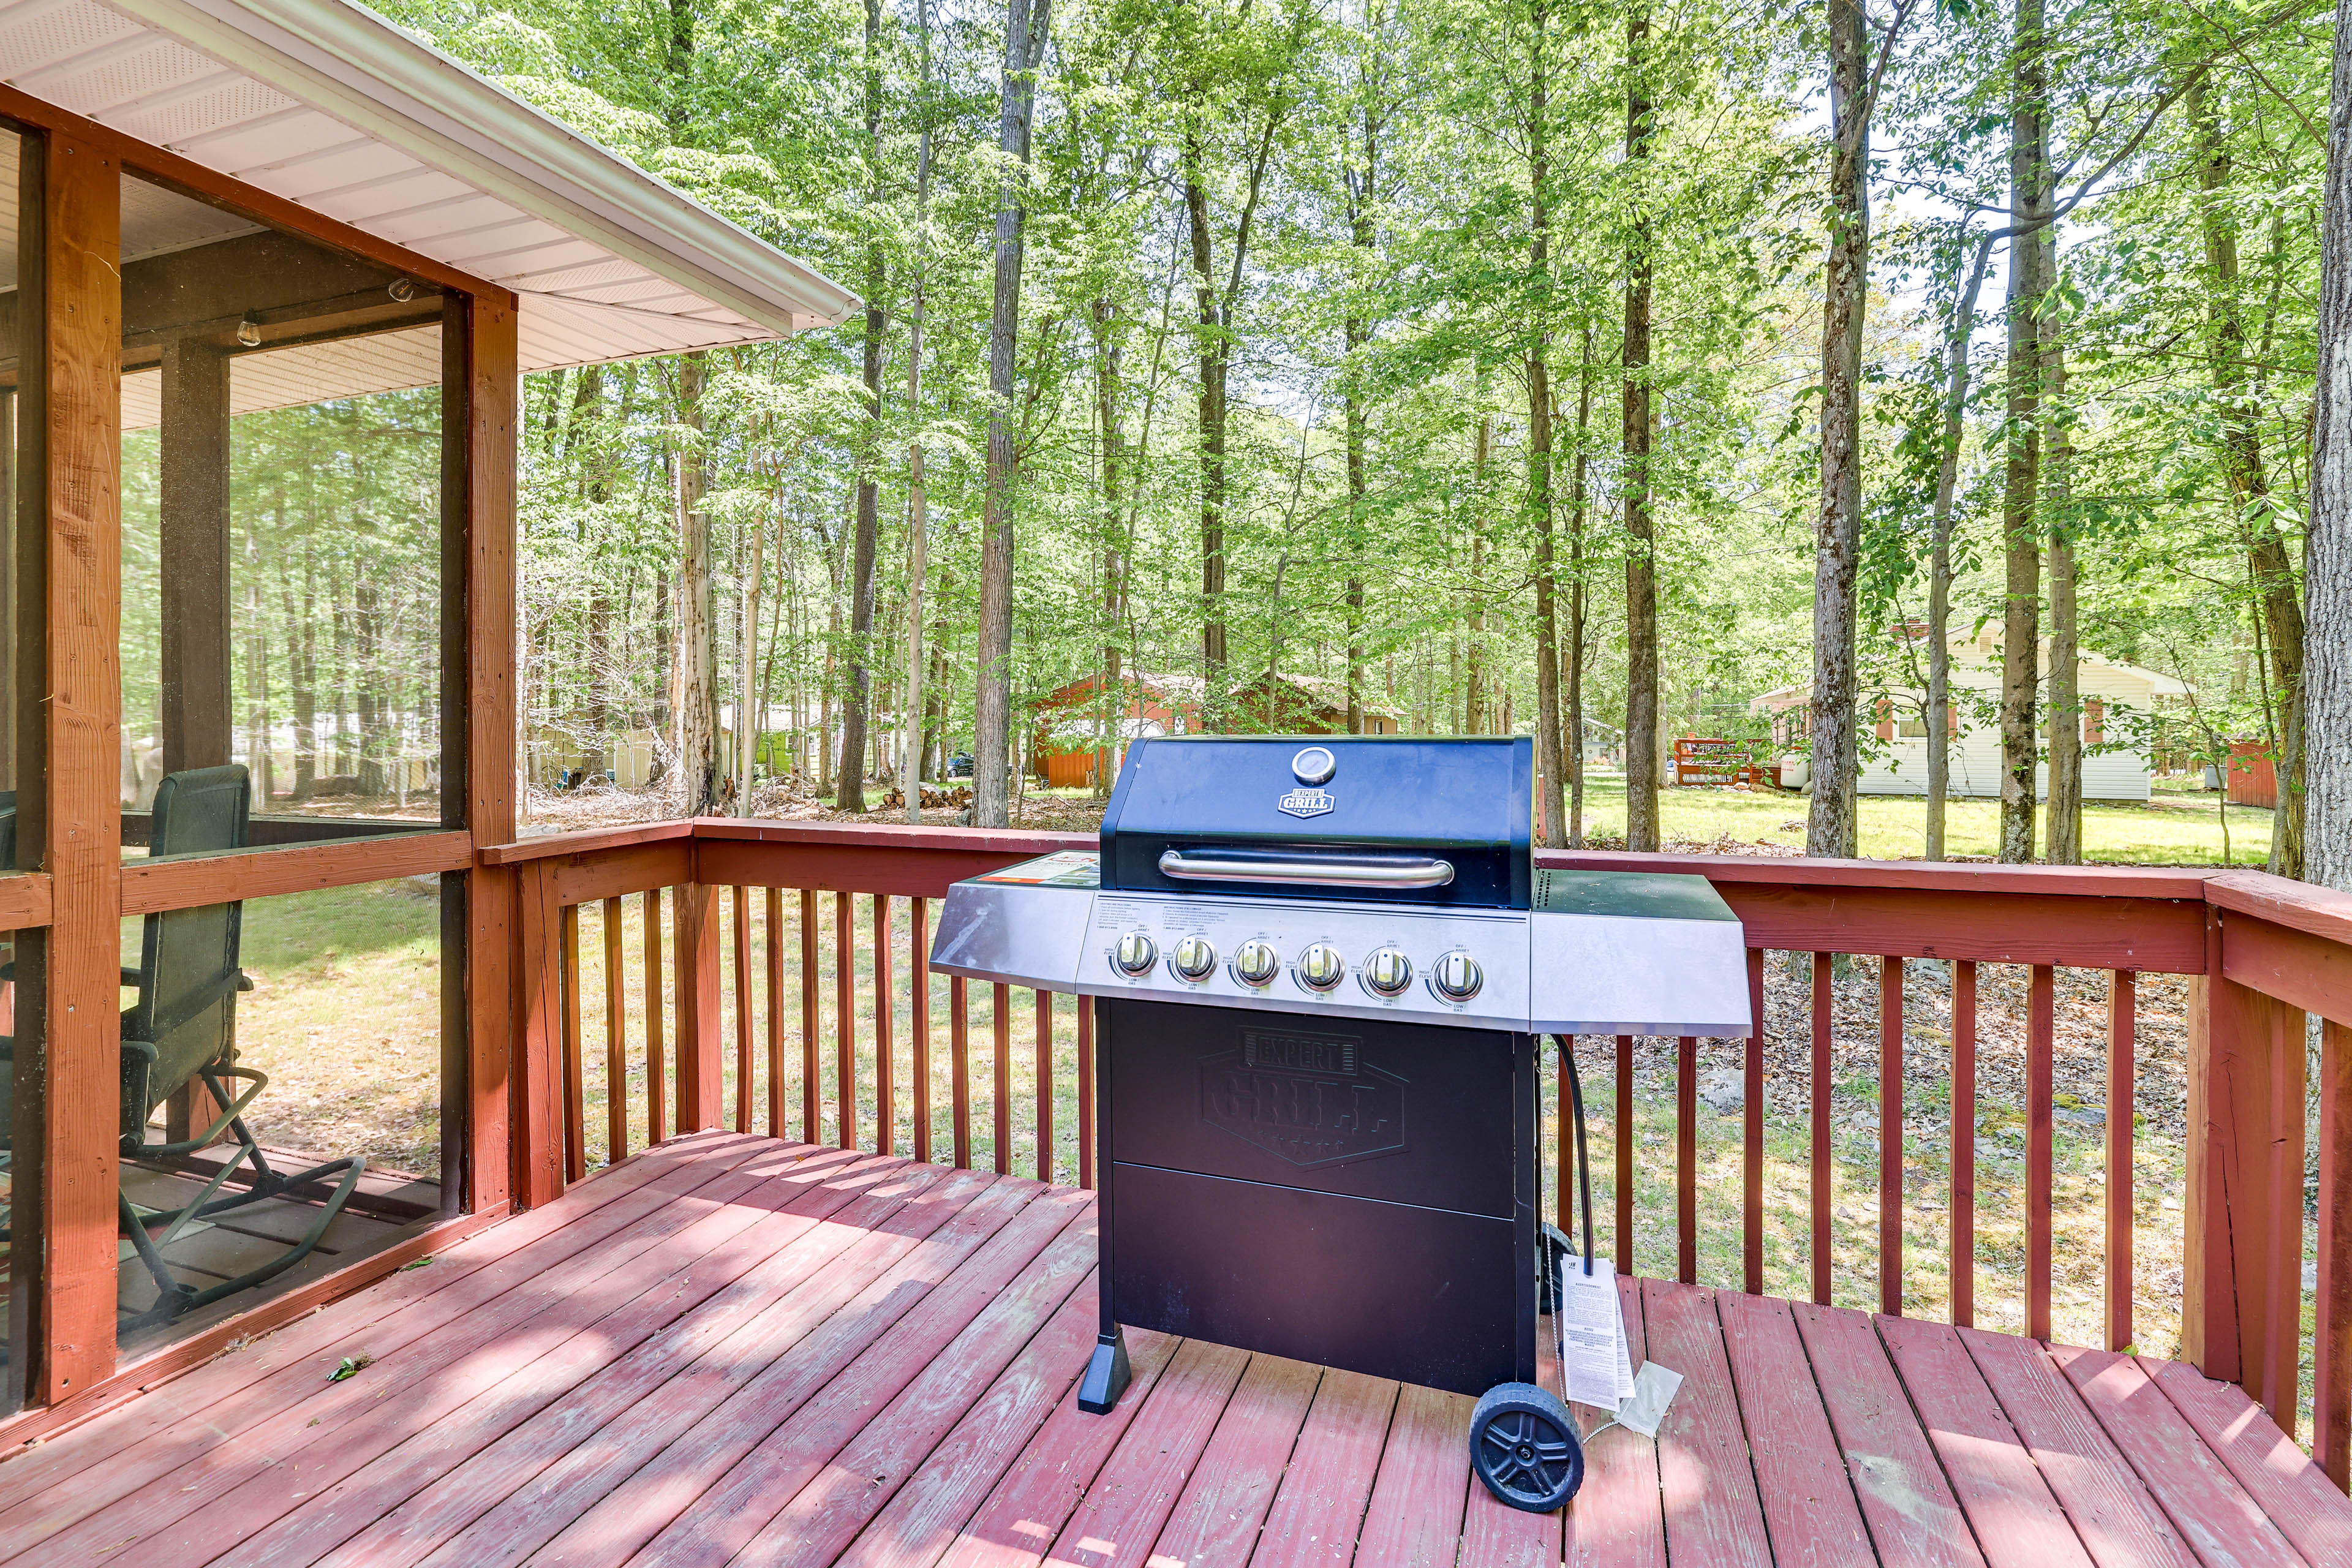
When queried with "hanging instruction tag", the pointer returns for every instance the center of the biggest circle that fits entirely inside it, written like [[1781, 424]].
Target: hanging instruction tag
[[1594, 1361], [1654, 1390]]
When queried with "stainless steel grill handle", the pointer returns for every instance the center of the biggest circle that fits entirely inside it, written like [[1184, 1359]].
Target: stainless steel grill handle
[[1301, 869]]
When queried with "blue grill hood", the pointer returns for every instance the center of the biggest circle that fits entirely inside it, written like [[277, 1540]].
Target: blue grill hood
[[1388, 805]]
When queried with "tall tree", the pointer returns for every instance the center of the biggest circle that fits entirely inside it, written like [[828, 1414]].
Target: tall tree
[[911, 740], [850, 777], [696, 706], [1939, 726], [1025, 47], [2328, 558], [1363, 174], [2030, 214], [1640, 430], [1549, 755]]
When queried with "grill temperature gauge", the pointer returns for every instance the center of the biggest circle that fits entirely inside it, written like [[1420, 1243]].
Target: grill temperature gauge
[[1457, 977], [1135, 953], [1320, 967], [1255, 962], [1193, 958]]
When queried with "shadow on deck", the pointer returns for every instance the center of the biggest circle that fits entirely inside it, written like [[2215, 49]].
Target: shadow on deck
[[730, 1349]]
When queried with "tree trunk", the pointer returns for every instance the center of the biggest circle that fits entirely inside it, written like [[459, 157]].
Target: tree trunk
[[1939, 565], [1640, 423], [1550, 820], [2063, 834], [2028, 201], [698, 686], [1114, 552], [2269, 564], [910, 746], [1572, 743], [750, 702], [1829, 826], [2327, 549], [1362, 184], [859, 691], [1214, 358], [1024, 46], [1475, 702]]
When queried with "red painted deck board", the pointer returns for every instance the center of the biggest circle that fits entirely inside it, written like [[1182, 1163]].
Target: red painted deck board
[[735, 1351]]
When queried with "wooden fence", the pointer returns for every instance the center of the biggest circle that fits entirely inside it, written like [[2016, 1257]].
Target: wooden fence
[[765, 976]]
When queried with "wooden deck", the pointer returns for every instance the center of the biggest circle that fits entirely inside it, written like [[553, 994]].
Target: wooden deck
[[732, 1350]]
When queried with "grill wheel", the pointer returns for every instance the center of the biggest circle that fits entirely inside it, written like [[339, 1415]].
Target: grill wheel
[[1523, 1444]]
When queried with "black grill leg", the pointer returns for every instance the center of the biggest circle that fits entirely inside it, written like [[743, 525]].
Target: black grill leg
[[1107, 1374]]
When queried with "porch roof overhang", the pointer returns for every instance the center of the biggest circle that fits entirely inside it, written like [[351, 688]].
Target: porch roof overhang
[[325, 104]]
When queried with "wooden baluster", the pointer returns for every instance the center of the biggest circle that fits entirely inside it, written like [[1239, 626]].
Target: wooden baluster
[[1085, 1092], [1045, 1086], [844, 1006], [1964, 1144], [1824, 1018], [918, 1018], [2331, 1387], [2122, 1026], [1687, 1159], [1751, 1150], [775, 943], [886, 1118], [616, 1051], [1001, 1026], [575, 1131], [1625, 1174], [744, 1071], [2040, 1008], [812, 1120], [959, 1066], [1890, 1136], [656, 1072]]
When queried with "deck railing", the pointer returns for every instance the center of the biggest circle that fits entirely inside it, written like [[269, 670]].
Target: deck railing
[[773, 978]]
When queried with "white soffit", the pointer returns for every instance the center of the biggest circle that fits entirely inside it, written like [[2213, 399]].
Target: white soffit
[[306, 373], [326, 104]]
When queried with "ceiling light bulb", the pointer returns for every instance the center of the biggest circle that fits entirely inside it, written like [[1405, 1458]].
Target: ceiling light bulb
[[249, 333]]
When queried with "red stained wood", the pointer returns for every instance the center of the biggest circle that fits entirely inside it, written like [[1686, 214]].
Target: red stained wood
[[575, 1116], [616, 1053], [24, 901], [149, 887], [918, 1018], [2040, 1026], [1226, 1498], [538, 1087], [694, 914], [1914, 876], [959, 1065], [1809, 1510], [811, 1116], [1618, 1520], [1713, 1514], [886, 1114], [1414, 1517], [1890, 1136], [2292, 1492], [1137, 1488], [1751, 1155], [1028, 1508], [845, 1019], [584, 843], [784, 1437], [2220, 1522], [2122, 1027], [2301, 906], [1001, 1080], [1687, 1159], [2331, 1397], [657, 1125], [640, 869], [2304, 970], [775, 1011], [1316, 1515], [2018, 1521], [1914, 1519], [1824, 1019], [2107, 1504], [1963, 1239], [1045, 1075], [745, 1001], [899, 859]]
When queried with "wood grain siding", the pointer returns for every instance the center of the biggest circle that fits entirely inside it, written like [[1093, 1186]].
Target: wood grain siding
[[80, 322], [480, 386]]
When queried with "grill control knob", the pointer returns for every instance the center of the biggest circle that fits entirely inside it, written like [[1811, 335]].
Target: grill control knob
[[1456, 976], [1387, 973], [1193, 958], [1320, 967], [1255, 962], [1135, 953]]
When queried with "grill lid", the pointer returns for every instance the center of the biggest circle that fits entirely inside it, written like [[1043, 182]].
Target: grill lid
[[1326, 816]]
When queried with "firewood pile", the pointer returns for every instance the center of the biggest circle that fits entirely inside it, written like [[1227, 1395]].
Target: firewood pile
[[954, 799]]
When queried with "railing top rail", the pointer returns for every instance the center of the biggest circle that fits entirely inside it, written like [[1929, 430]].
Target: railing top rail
[[1940, 875], [2322, 911], [890, 835], [583, 841]]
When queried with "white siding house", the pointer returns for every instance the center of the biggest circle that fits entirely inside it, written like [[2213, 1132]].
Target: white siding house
[[2116, 762]]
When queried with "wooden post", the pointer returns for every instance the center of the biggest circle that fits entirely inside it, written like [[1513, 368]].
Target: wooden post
[[194, 541], [694, 912], [70, 281], [538, 1064], [2241, 1289], [2331, 1398], [480, 381]]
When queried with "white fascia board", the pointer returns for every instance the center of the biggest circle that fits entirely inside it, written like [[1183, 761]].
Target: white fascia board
[[350, 63]]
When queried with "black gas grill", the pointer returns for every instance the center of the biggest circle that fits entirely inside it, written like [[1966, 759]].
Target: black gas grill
[[1321, 969]]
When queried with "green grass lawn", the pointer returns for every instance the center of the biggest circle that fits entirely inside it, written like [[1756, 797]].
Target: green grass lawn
[[2173, 829]]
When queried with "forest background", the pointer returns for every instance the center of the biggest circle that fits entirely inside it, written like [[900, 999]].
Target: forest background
[[1535, 366]]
